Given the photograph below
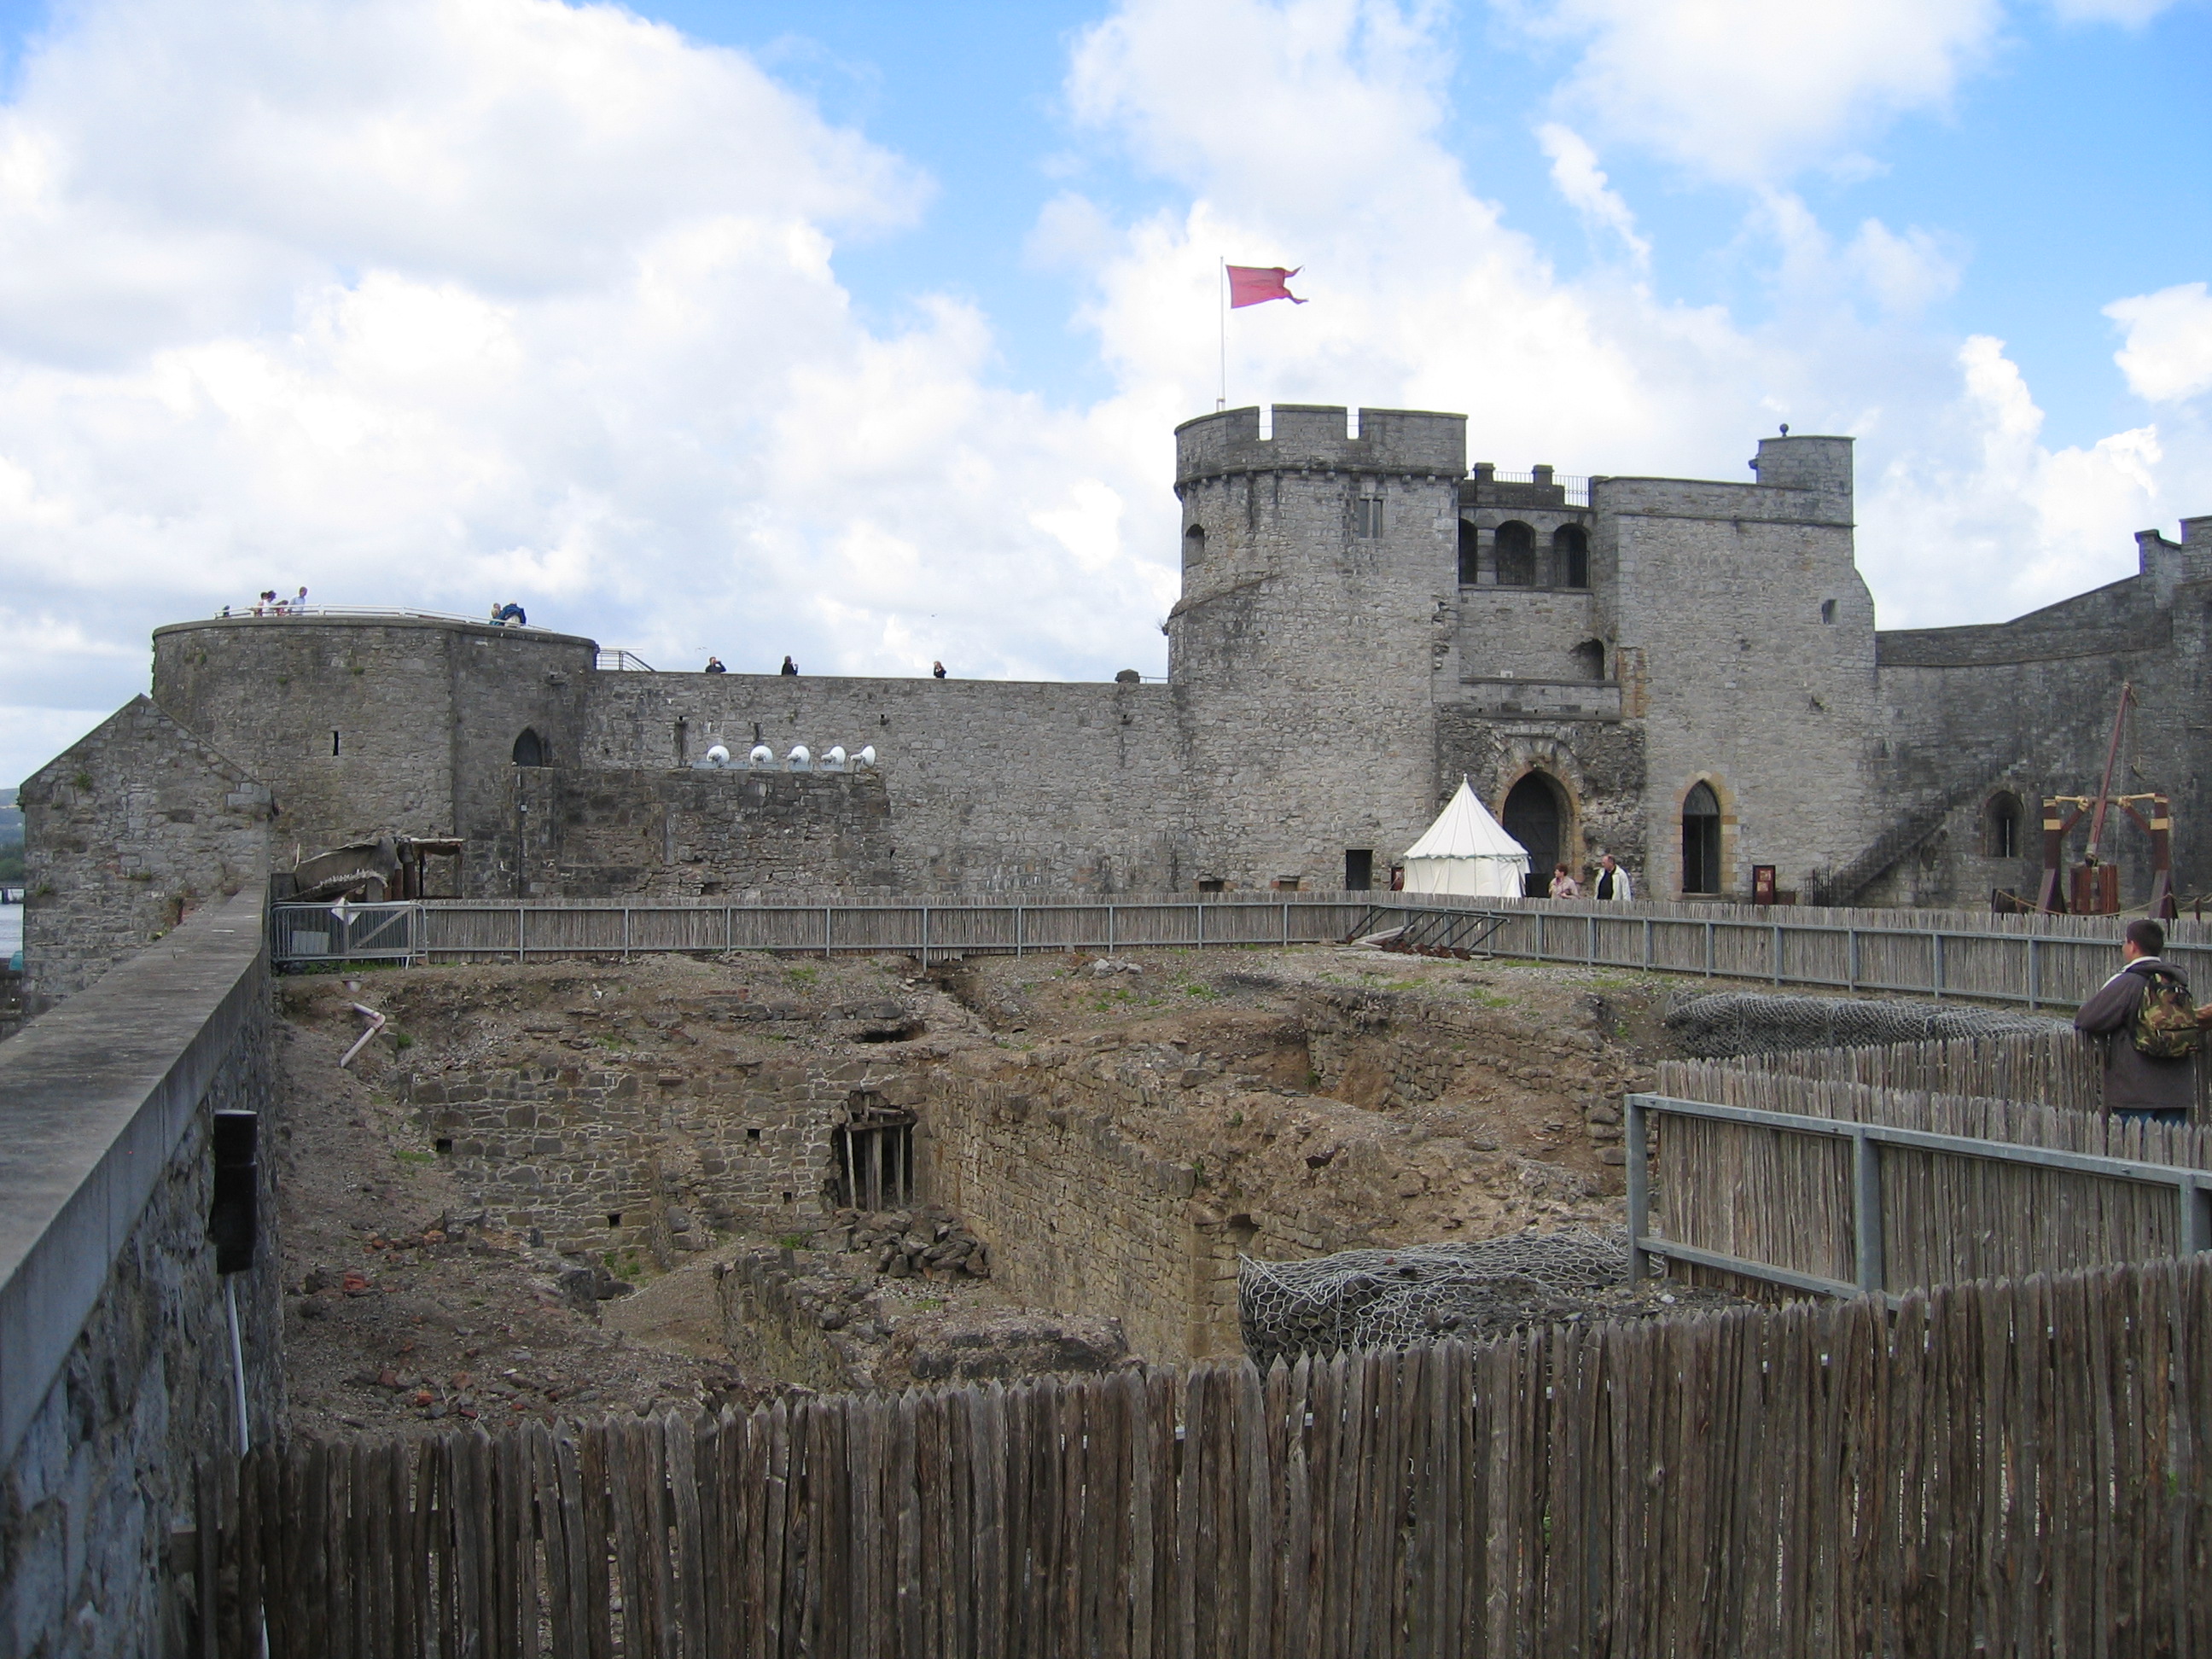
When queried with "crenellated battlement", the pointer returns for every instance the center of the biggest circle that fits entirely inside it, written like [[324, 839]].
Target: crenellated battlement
[[1306, 436]]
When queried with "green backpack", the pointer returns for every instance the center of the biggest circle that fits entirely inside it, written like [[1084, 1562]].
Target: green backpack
[[2165, 1022]]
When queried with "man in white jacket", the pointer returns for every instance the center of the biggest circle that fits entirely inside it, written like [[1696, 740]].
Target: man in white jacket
[[1611, 882]]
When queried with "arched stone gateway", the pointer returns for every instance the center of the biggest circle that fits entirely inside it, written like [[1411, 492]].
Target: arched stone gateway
[[1536, 817]]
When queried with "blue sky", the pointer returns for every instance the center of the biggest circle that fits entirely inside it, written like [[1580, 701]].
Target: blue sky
[[859, 331], [2071, 167]]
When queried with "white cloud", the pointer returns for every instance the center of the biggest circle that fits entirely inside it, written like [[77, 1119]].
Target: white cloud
[[1903, 271], [1577, 177], [2168, 354], [1748, 90], [1424, 297], [433, 302], [2024, 525]]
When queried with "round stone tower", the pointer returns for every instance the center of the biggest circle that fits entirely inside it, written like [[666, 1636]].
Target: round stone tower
[[372, 724], [1319, 566]]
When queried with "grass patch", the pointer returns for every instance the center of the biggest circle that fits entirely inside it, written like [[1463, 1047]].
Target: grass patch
[[405, 1157], [793, 1240]]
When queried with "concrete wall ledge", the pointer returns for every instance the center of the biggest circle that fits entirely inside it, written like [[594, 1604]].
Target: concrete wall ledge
[[93, 1097]]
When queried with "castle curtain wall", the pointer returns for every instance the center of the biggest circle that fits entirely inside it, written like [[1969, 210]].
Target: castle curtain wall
[[993, 785]]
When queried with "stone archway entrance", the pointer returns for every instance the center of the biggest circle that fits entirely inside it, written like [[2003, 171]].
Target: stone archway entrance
[[1533, 818]]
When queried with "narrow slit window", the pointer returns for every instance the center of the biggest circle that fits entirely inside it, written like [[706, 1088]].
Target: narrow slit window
[[334, 745]]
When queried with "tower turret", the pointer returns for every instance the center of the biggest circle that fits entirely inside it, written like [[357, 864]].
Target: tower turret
[[1318, 563]]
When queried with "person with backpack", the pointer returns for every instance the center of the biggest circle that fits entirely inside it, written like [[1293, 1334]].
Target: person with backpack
[[2151, 1028]]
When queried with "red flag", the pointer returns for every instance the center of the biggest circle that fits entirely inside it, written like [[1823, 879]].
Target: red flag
[[1253, 285]]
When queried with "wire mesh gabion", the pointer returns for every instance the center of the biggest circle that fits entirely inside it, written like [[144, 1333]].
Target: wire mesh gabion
[[1387, 1299], [1720, 1024]]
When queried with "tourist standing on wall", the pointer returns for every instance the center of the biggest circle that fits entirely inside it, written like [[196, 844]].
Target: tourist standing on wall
[[2150, 1030], [1564, 884], [1612, 883], [937, 670], [715, 666], [789, 666]]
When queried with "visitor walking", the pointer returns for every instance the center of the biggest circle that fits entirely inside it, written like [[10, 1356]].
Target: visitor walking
[[789, 666], [1564, 884], [2150, 1030], [1612, 883]]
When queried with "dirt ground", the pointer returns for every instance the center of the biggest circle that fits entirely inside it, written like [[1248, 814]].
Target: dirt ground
[[406, 1310], [402, 1311]]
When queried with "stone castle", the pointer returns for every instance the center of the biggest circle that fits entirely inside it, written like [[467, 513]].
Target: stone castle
[[1683, 673]]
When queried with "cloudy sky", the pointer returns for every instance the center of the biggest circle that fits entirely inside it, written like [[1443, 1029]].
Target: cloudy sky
[[858, 331]]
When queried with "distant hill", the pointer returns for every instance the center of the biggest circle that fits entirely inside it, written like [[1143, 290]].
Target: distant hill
[[11, 820]]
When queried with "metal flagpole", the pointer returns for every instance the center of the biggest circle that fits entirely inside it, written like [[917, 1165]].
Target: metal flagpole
[[1221, 302]]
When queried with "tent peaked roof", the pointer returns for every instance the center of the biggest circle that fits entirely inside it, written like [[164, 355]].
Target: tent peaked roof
[[1464, 830]]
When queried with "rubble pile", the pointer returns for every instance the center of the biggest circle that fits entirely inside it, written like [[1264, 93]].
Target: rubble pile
[[928, 1243]]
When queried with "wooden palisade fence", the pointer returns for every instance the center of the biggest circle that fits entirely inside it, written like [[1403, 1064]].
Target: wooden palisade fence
[[2002, 1467], [1820, 1205]]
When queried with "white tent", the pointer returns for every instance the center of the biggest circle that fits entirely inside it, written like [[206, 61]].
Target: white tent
[[1465, 851]]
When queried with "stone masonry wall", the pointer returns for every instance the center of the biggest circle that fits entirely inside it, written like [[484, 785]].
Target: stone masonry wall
[[602, 833], [109, 1096], [1080, 1219], [131, 828], [362, 727], [564, 1146], [1303, 649], [994, 786], [1741, 611]]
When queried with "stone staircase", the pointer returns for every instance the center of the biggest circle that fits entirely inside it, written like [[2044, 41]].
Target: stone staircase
[[1906, 834]]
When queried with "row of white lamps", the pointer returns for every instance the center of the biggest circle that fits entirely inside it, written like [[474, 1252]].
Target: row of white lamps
[[800, 759]]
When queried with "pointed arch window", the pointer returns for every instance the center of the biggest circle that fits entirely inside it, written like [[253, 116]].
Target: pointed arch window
[[530, 749], [1701, 840], [1194, 547], [1469, 558]]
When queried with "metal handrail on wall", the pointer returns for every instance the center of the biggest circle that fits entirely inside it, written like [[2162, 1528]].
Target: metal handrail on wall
[[2192, 1188]]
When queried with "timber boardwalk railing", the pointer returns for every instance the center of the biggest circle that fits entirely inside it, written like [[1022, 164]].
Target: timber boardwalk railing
[[2038, 962], [462, 931]]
